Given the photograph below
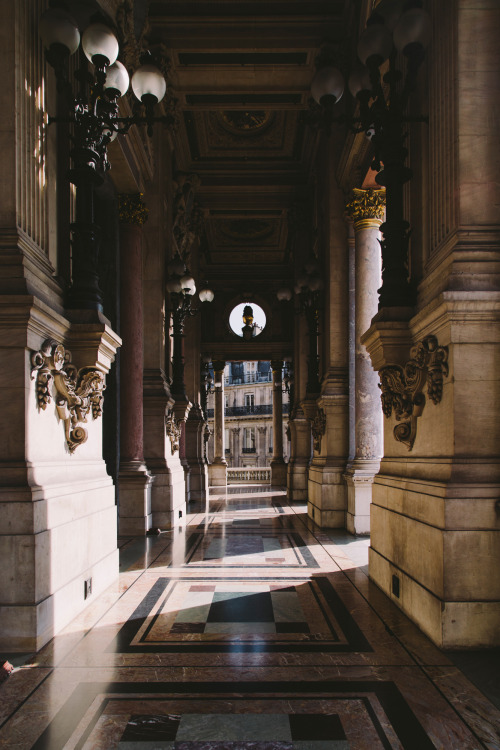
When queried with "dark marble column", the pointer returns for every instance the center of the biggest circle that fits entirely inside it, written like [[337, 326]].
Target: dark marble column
[[134, 480]]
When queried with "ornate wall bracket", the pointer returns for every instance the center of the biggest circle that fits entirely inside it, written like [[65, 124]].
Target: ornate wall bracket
[[318, 428], [173, 430], [77, 392], [402, 386]]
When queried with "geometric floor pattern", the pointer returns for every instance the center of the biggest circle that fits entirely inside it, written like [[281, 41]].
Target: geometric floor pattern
[[248, 629]]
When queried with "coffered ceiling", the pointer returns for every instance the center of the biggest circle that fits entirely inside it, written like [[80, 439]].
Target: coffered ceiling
[[241, 72]]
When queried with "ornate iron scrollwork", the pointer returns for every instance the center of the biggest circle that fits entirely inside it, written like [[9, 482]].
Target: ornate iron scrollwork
[[402, 386], [173, 431], [318, 428], [77, 392]]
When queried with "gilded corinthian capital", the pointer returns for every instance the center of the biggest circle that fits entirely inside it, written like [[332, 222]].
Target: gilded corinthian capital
[[366, 207], [132, 209]]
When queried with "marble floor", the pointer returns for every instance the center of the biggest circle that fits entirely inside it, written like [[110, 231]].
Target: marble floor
[[248, 629]]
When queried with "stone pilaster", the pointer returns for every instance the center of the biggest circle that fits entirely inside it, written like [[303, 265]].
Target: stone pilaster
[[217, 470], [300, 456], [194, 450], [236, 451], [134, 480], [366, 210], [262, 447], [278, 465]]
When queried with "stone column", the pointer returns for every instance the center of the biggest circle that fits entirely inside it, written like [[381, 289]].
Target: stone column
[[278, 466], [262, 446], [134, 480], [218, 469], [367, 211], [235, 433]]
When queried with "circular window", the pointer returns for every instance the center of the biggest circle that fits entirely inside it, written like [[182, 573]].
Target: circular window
[[247, 320]]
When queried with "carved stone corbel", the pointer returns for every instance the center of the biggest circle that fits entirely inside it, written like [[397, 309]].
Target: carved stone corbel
[[318, 428], [76, 392], [173, 431], [187, 215], [402, 386]]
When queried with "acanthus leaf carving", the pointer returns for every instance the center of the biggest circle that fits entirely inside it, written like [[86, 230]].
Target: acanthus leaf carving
[[402, 386], [173, 431], [77, 392], [318, 428]]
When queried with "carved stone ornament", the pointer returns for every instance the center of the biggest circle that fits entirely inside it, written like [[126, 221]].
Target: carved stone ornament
[[187, 215], [173, 431], [132, 209], [76, 392], [318, 428], [366, 205], [402, 386]]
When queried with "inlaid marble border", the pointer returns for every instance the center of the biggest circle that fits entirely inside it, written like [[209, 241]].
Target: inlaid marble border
[[304, 556], [388, 710], [349, 639]]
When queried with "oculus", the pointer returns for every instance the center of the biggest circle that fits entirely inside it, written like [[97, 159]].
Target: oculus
[[253, 318]]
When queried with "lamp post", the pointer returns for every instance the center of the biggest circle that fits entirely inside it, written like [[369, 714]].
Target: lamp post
[[307, 291], [181, 287], [92, 110], [382, 100]]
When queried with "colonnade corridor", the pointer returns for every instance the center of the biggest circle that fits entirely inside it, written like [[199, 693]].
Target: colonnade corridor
[[248, 628]]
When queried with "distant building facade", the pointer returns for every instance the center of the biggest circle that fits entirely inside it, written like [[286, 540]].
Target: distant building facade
[[248, 415]]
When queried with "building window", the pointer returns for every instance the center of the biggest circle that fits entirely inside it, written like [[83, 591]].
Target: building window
[[249, 400], [249, 440]]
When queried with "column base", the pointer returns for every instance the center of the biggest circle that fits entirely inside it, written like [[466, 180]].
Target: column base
[[168, 493], [134, 486], [359, 478], [327, 496], [278, 473], [217, 473], [449, 624], [297, 476]]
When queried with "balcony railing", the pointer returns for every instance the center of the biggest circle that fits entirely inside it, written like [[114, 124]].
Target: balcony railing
[[252, 474], [248, 450], [249, 377], [248, 411]]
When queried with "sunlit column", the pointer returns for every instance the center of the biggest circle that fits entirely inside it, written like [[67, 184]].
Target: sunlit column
[[367, 212], [218, 469], [278, 466]]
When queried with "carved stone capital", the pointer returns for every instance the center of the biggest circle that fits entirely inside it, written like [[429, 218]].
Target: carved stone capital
[[132, 209], [402, 386], [187, 215], [77, 392], [173, 431], [366, 207], [318, 428]]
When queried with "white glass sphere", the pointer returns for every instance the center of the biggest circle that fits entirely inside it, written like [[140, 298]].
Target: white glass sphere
[[117, 78], [206, 295], [359, 80], [414, 26], [148, 80], [57, 26], [376, 40], [187, 285], [98, 39], [327, 81]]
